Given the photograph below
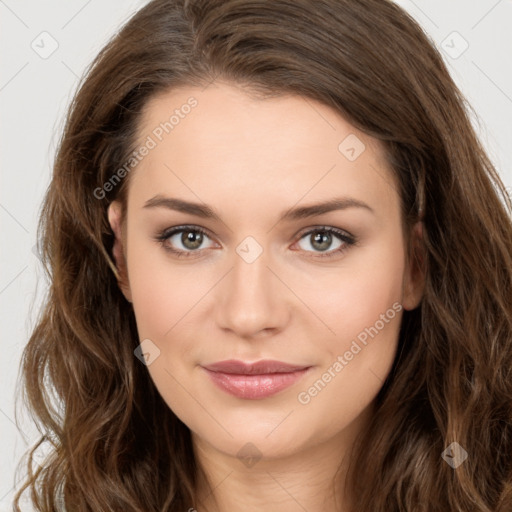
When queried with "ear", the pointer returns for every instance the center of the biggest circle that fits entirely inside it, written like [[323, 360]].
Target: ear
[[414, 276], [119, 248]]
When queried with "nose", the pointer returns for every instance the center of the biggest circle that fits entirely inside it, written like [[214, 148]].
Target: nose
[[251, 301]]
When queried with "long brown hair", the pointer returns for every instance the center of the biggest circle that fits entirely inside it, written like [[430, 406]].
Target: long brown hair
[[117, 445]]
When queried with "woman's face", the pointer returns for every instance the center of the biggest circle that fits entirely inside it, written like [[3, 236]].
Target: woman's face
[[264, 274]]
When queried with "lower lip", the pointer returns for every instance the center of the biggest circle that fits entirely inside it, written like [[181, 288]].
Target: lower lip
[[254, 387]]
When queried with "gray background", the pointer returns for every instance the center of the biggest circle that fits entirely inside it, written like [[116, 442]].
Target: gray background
[[39, 75]]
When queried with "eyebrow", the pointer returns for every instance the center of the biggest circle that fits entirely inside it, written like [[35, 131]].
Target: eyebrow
[[301, 212]]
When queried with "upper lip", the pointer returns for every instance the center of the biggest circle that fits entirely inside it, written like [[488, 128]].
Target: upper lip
[[258, 368]]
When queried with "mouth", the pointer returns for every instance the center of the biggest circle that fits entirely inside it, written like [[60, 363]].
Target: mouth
[[254, 381]]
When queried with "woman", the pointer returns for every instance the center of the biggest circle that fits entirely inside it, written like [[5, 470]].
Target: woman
[[281, 272]]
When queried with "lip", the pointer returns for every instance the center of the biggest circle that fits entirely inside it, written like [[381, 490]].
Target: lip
[[254, 380], [265, 366]]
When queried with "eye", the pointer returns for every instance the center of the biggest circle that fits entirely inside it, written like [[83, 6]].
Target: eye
[[321, 239], [183, 240]]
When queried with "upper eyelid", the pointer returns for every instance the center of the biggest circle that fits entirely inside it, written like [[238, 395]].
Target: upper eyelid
[[333, 229]]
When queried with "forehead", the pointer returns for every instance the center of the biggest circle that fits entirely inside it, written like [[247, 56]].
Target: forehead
[[222, 141]]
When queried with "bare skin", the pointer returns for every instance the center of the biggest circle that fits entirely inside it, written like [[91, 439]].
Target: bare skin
[[251, 161]]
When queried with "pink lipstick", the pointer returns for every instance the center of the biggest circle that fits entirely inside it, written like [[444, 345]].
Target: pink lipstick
[[254, 380]]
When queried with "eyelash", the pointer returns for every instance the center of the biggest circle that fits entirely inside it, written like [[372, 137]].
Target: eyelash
[[348, 240]]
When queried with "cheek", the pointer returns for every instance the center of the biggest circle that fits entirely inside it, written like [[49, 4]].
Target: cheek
[[354, 295], [164, 292], [361, 305], [365, 313]]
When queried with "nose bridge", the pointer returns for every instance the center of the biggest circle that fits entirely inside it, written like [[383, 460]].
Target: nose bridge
[[250, 300]]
